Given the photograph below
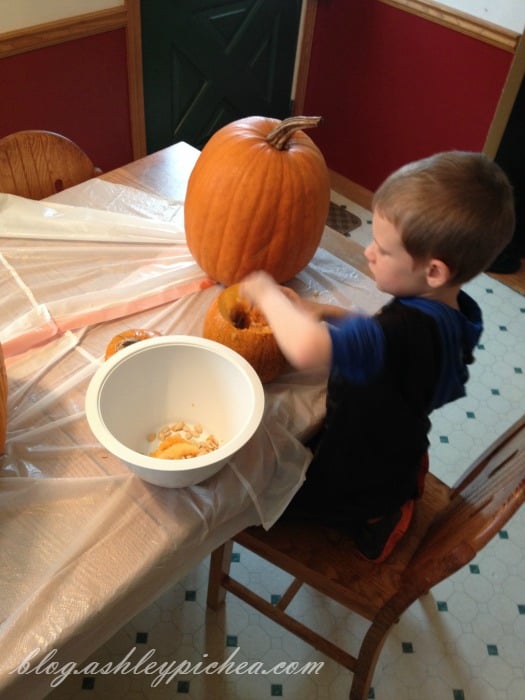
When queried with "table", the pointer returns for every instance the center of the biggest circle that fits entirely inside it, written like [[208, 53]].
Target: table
[[86, 544]]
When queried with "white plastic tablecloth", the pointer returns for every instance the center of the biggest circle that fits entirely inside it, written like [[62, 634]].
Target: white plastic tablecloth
[[85, 544]]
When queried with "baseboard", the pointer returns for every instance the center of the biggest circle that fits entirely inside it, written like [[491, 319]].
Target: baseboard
[[515, 280], [351, 190]]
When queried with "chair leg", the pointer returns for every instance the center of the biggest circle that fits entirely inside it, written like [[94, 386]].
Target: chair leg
[[220, 561], [369, 652]]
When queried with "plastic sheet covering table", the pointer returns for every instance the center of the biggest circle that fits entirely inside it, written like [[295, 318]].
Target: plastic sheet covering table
[[85, 544]]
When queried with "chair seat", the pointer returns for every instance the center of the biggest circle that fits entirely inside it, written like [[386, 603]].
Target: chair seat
[[448, 528], [313, 553]]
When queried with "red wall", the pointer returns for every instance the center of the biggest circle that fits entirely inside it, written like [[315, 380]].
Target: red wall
[[393, 87], [78, 88]]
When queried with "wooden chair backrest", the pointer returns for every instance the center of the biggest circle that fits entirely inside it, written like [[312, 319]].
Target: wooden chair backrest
[[481, 503], [37, 164]]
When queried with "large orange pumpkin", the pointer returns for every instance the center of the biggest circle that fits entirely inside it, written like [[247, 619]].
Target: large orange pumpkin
[[231, 320], [3, 400], [257, 199]]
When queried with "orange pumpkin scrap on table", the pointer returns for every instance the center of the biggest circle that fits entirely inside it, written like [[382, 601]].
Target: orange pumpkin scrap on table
[[257, 199], [128, 337]]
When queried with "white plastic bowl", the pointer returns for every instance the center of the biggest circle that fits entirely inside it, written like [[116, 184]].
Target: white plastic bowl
[[159, 381]]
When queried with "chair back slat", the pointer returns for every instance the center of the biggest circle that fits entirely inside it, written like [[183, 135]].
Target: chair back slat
[[513, 440], [481, 503]]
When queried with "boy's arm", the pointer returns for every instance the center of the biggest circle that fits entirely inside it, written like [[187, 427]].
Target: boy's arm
[[303, 340]]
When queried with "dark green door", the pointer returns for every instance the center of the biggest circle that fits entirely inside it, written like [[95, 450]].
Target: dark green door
[[208, 62]]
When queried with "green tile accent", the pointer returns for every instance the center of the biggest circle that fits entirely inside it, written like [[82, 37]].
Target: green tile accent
[[190, 595], [276, 690], [442, 606], [371, 694], [141, 638], [275, 598], [518, 370], [492, 650], [407, 647], [521, 609], [443, 439], [471, 414], [183, 687], [236, 556], [494, 392], [231, 640], [88, 683], [458, 694], [503, 535], [474, 568], [489, 290], [480, 346], [503, 328]]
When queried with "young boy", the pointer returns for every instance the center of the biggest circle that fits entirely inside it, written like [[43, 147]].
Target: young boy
[[437, 223]]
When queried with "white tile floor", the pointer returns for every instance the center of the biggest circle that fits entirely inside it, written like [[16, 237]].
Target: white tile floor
[[463, 641]]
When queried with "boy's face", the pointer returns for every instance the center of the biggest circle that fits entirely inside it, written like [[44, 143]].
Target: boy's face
[[395, 271]]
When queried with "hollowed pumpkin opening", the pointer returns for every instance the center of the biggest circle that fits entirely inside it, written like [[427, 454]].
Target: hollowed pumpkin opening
[[234, 322]]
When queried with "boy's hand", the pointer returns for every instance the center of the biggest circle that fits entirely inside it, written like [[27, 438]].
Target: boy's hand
[[303, 340], [255, 285]]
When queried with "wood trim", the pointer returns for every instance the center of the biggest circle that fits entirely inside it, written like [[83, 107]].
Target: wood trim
[[304, 54], [459, 21], [351, 190], [135, 78], [506, 101], [41, 35]]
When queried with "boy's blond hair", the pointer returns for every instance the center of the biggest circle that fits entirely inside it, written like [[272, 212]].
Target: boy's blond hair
[[455, 206]]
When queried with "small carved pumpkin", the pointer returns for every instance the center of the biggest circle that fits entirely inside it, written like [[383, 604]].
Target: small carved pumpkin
[[232, 321], [257, 199], [122, 340], [3, 401]]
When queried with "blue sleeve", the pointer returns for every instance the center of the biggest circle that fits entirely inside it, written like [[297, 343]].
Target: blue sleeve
[[358, 348]]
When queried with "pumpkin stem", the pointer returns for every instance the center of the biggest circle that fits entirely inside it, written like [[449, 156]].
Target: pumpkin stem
[[279, 136]]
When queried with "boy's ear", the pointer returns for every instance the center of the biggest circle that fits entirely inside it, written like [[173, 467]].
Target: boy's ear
[[438, 273]]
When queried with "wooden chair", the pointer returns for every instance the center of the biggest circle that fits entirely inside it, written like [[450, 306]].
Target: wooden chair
[[450, 526], [37, 164]]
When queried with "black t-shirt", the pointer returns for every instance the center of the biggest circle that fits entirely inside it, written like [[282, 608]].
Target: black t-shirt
[[368, 452]]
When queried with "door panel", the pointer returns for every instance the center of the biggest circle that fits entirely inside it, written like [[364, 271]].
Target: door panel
[[208, 62]]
